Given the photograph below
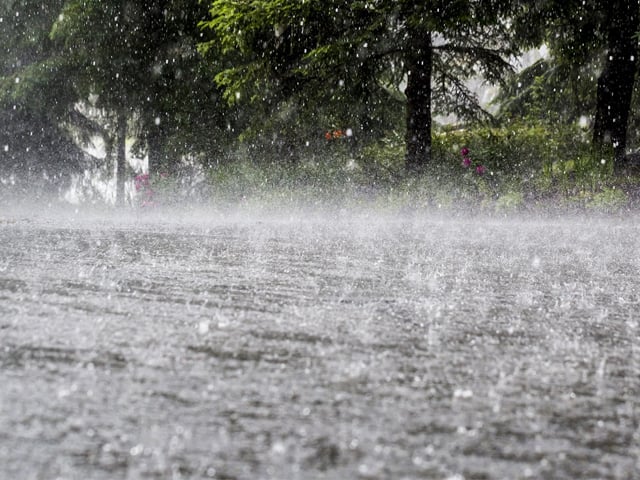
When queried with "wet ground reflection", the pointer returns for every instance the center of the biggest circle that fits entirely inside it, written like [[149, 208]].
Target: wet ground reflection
[[320, 348]]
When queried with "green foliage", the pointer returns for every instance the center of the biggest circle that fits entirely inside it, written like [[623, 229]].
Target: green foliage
[[609, 199], [35, 96], [331, 180], [31, 73], [572, 29], [346, 62], [515, 150], [339, 181], [141, 58], [549, 91], [383, 160], [260, 82], [592, 67], [527, 164], [510, 201], [292, 66]]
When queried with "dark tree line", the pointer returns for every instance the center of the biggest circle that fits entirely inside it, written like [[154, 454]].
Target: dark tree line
[[185, 78], [111, 69]]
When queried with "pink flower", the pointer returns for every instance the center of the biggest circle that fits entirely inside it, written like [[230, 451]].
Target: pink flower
[[466, 162], [480, 170], [464, 151], [141, 181]]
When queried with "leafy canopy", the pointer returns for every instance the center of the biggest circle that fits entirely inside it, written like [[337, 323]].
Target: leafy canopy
[[340, 53]]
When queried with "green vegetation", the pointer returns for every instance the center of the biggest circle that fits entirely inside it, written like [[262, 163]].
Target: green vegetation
[[533, 167], [334, 101]]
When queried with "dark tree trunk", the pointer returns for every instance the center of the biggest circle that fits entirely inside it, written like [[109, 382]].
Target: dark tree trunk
[[615, 84], [418, 93], [121, 156]]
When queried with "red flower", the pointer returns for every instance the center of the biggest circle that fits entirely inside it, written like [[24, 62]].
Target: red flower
[[480, 169], [464, 151]]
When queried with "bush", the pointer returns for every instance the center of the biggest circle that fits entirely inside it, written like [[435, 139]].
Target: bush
[[609, 199], [329, 178], [522, 165], [525, 161], [513, 150]]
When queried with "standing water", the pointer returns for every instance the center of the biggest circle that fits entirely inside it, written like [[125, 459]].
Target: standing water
[[319, 347]]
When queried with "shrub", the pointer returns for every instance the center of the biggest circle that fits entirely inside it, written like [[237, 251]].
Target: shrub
[[513, 149], [609, 199], [500, 169]]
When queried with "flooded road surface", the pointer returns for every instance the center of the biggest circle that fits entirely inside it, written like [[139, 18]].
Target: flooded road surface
[[311, 347]]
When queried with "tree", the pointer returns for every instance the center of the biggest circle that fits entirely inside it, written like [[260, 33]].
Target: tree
[[594, 61], [350, 53], [36, 150], [615, 84], [138, 61]]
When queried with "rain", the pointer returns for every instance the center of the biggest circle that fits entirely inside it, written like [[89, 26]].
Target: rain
[[297, 240]]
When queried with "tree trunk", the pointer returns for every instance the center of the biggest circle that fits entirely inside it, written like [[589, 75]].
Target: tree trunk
[[121, 156], [615, 84], [418, 110]]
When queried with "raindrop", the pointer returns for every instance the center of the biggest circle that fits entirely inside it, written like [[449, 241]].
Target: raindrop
[[462, 393], [136, 450], [17, 79], [157, 121], [535, 262], [237, 95], [203, 327], [6, 148], [279, 448]]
